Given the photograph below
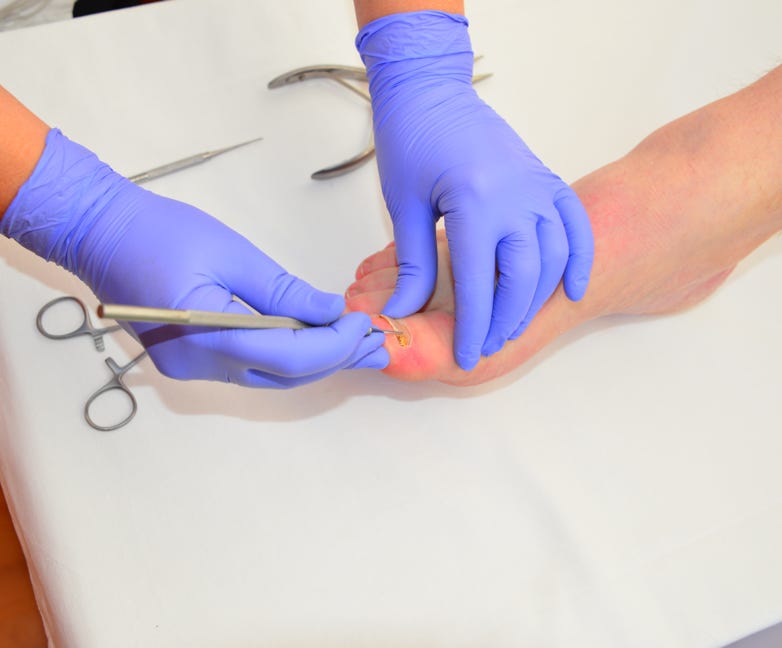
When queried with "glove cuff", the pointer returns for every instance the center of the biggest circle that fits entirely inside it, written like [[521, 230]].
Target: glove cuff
[[416, 34], [415, 43], [409, 54], [59, 203]]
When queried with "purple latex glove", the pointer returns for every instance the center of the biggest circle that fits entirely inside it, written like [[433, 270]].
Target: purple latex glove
[[132, 246], [513, 227]]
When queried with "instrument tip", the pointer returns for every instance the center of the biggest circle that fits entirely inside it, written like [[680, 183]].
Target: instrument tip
[[375, 329]]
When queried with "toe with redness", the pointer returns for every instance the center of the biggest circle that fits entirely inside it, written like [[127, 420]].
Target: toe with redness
[[423, 351], [383, 279], [385, 258]]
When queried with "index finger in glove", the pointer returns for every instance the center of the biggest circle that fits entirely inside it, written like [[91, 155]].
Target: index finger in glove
[[296, 353], [266, 286], [580, 241], [473, 266], [416, 254]]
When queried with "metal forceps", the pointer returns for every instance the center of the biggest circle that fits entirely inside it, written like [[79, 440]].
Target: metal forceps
[[342, 74], [116, 383]]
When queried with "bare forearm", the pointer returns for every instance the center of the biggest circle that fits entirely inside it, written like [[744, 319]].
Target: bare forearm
[[22, 137], [369, 10]]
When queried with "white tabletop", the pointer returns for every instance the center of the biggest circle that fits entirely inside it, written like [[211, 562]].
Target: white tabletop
[[620, 490]]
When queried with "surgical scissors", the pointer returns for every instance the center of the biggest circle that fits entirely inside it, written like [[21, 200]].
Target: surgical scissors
[[85, 328], [116, 383], [342, 74]]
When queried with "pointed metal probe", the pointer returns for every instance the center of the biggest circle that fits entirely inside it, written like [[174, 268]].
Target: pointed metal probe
[[375, 329], [187, 162], [121, 312]]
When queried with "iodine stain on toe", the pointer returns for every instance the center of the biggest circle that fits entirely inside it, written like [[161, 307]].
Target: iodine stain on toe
[[404, 338]]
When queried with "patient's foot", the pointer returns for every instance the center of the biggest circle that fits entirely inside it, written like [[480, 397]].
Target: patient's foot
[[671, 220]]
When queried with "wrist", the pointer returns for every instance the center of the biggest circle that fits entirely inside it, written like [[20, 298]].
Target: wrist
[[417, 40], [369, 10], [23, 136], [54, 211], [411, 58]]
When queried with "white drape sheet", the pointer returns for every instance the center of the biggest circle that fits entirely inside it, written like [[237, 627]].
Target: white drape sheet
[[620, 490]]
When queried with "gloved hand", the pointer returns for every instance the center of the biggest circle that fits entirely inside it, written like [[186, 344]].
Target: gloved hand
[[134, 247], [513, 227]]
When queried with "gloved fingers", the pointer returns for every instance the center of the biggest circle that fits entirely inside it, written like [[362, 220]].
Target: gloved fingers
[[368, 355], [473, 266], [296, 298], [267, 287], [416, 254], [519, 266], [554, 257], [376, 359], [580, 241], [295, 354]]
